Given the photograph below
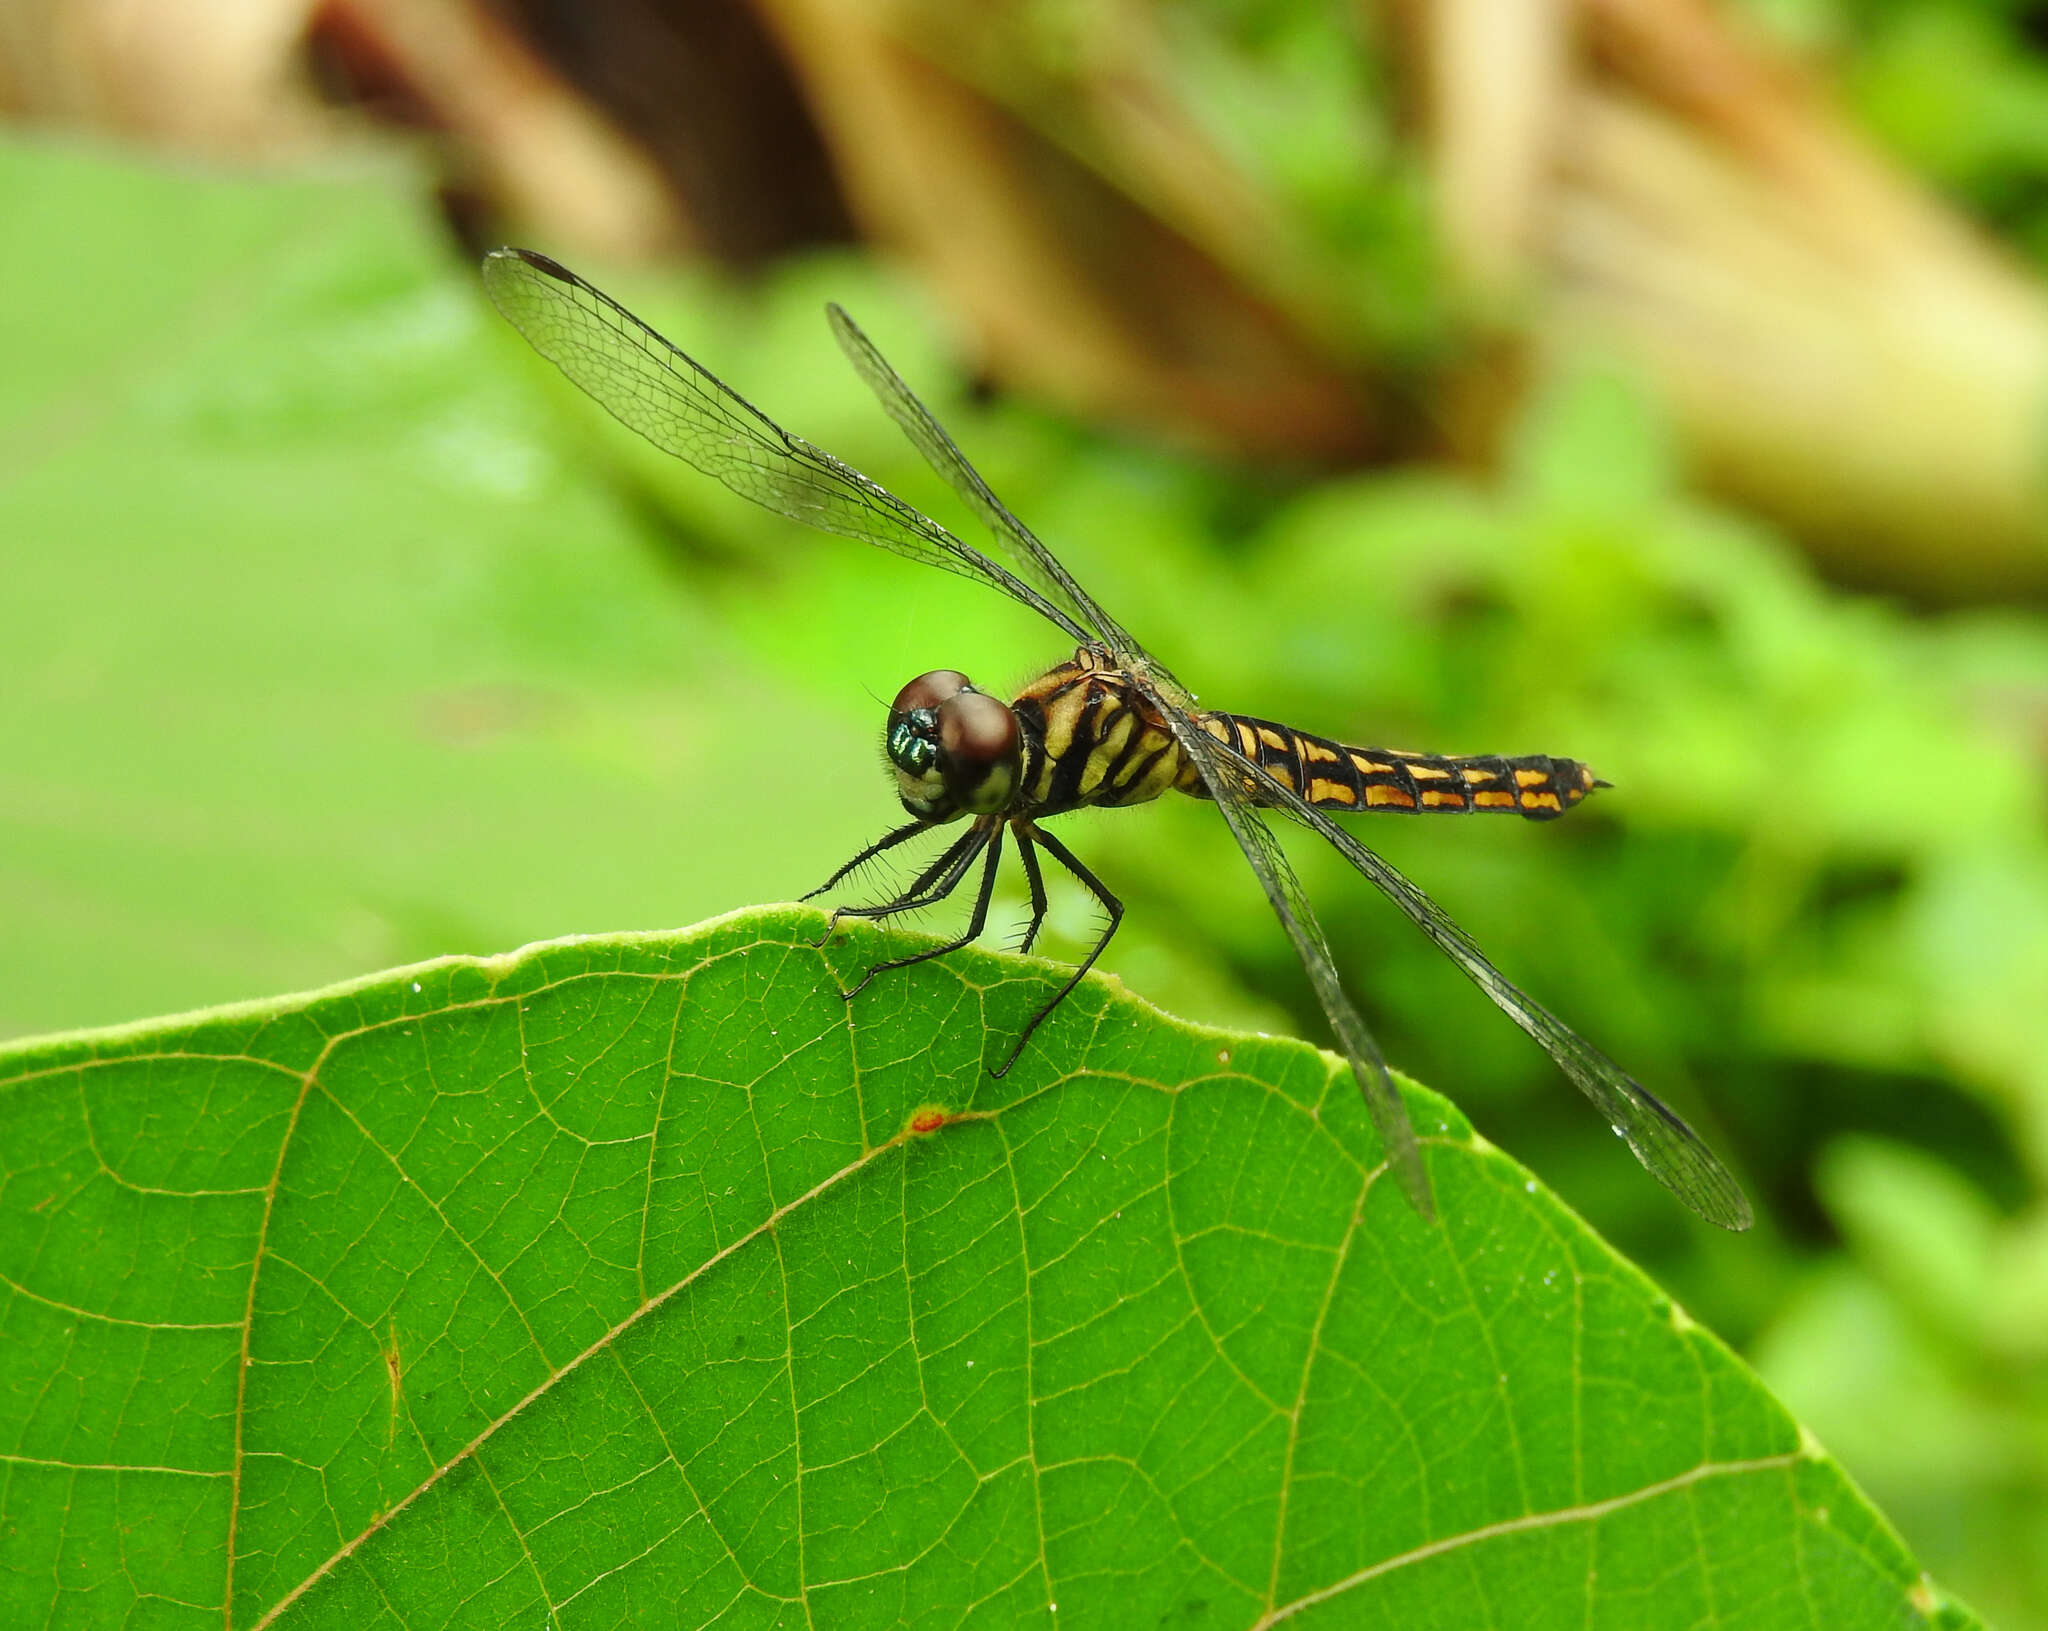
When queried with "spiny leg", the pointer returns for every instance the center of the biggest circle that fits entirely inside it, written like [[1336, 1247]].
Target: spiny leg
[[976, 919], [887, 841], [1027, 851], [1029, 855], [1110, 904], [933, 884]]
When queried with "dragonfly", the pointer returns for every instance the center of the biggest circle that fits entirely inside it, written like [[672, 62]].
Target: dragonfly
[[1107, 728]]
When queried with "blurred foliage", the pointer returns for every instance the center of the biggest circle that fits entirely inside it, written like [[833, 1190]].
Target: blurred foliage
[[1920, 1349], [328, 645], [1301, 99], [1957, 89]]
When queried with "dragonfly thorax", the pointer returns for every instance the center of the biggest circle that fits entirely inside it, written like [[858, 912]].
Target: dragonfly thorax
[[955, 750]]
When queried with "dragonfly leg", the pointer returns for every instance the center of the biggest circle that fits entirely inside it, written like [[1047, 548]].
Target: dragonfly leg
[[976, 919], [887, 841], [1028, 854], [934, 883], [1110, 904], [930, 886]]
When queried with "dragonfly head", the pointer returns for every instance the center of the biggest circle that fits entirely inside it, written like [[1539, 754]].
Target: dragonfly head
[[955, 750]]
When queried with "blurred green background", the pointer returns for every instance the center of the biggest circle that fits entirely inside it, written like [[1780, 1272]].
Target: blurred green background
[[335, 633]]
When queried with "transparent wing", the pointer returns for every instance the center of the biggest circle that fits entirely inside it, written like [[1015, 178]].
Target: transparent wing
[[1033, 562], [651, 387], [1222, 771], [1670, 1151], [1041, 568]]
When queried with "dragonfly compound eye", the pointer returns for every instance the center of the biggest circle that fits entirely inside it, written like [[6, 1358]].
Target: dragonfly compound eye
[[980, 751], [913, 743], [928, 691], [912, 740]]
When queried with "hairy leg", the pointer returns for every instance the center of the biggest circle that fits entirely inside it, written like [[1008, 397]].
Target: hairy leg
[[1027, 852], [1110, 904], [975, 921], [887, 841]]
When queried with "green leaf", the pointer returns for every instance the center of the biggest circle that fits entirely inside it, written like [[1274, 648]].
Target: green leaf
[[642, 1280]]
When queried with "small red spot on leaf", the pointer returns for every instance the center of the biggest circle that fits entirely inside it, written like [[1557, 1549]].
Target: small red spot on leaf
[[928, 1121]]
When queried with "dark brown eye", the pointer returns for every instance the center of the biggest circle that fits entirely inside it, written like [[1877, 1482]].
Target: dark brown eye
[[912, 740], [928, 691], [979, 750]]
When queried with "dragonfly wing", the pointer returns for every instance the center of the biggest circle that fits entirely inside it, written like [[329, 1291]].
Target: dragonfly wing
[[1221, 771], [1042, 569], [652, 387], [1670, 1151], [1036, 564]]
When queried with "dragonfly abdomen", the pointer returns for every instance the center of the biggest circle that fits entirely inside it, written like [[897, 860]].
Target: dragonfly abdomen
[[1337, 776]]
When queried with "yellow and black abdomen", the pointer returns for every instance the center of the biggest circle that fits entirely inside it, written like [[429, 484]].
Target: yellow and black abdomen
[[1337, 777]]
